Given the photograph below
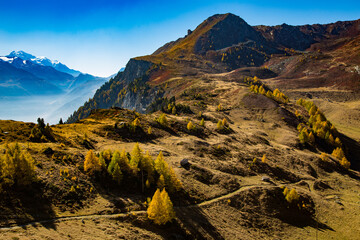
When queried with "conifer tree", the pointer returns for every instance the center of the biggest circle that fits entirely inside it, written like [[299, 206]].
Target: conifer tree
[[92, 163], [169, 209], [114, 160], [161, 182], [160, 164], [338, 153], [345, 163], [292, 196], [16, 166], [160, 209], [190, 126], [136, 156], [219, 125], [117, 174], [136, 122], [202, 122], [163, 120], [224, 122], [263, 159]]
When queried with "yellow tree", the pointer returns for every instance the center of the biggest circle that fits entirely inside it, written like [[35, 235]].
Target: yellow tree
[[190, 126], [163, 120], [92, 163], [16, 166], [160, 209], [117, 174], [202, 122], [136, 156], [345, 163], [136, 122]]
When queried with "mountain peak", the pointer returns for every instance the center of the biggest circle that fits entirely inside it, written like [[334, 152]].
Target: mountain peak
[[21, 54]]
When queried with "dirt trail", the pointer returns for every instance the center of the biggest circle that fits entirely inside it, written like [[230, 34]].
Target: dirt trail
[[117, 215]]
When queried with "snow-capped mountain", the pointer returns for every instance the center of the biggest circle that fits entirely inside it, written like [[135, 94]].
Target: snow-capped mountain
[[36, 86], [44, 61]]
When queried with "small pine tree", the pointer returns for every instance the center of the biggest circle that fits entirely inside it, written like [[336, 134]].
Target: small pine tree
[[114, 160], [338, 142], [163, 120], [61, 121], [92, 163], [190, 126], [345, 163], [313, 110], [161, 182], [169, 209], [136, 122], [338, 153], [160, 209], [117, 174], [16, 166], [219, 125], [292, 196], [263, 159], [224, 122], [136, 156], [202, 122]]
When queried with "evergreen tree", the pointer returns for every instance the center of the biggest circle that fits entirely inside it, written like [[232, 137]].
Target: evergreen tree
[[16, 166], [202, 122], [160, 209], [117, 174], [92, 163], [136, 156], [190, 126], [161, 182], [219, 125], [163, 120], [61, 121]]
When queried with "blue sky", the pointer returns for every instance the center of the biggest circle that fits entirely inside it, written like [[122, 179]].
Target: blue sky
[[99, 37]]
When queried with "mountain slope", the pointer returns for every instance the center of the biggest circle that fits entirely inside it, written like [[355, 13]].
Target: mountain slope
[[225, 42]]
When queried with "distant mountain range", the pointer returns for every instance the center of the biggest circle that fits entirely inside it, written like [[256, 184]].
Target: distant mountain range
[[44, 61], [23, 74]]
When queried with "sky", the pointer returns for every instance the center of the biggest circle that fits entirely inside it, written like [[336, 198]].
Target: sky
[[99, 37]]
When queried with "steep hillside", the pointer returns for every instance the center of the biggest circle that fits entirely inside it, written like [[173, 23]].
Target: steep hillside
[[244, 151]]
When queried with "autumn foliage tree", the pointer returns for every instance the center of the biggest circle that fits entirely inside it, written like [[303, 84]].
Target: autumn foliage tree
[[92, 163], [160, 209], [170, 179], [16, 167]]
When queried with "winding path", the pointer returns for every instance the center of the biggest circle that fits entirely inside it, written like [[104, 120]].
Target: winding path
[[117, 215]]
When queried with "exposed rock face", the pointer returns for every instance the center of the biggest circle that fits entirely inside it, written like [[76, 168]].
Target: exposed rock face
[[230, 31], [135, 69], [128, 90]]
